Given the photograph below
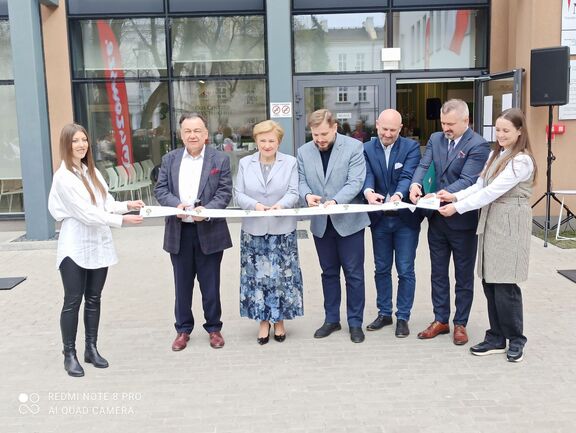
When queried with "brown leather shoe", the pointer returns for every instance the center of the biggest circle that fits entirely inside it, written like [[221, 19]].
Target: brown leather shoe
[[435, 328], [216, 340], [180, 342], [460, 335]]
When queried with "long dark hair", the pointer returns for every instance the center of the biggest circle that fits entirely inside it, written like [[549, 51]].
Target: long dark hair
[[66, 137], [522, 145]]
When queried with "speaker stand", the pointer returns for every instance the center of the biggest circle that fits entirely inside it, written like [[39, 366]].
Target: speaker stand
[[549, 195]]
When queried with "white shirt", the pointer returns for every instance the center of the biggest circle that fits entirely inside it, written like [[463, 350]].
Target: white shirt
[[85, 234], [479, 195], [387, 151], [189, 178]]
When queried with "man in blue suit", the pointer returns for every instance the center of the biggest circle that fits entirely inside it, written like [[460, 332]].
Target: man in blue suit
[[390, 164], [331, 170], [195, 176], [458, 155]]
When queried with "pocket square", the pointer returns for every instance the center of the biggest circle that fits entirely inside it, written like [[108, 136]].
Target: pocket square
[[461, 155], [398, 165], [214, 171]]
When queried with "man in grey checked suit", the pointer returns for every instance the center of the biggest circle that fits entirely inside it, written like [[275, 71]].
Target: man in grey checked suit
[[332, 170]]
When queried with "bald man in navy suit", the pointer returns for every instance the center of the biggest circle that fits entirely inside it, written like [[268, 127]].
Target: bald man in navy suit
[[390, 164]]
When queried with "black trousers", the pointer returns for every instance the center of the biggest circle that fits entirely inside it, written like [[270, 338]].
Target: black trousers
[[80, 283], [505, 314]]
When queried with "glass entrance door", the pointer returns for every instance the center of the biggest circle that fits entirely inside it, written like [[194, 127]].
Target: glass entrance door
[[354, 101], [494, 94]]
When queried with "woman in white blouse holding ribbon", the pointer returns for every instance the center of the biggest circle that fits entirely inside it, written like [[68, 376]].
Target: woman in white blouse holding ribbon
[[502, 192], [79, 198]]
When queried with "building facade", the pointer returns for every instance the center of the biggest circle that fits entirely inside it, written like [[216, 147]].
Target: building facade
[[127, 69]]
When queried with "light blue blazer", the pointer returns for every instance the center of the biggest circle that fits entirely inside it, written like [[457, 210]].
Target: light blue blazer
[[281, 188], [343, 182]]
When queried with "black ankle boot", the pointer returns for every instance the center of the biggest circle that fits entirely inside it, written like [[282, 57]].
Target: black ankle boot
[[92, 356], [71, 364]]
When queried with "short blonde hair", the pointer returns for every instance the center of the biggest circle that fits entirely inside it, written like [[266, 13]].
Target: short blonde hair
[[268, 126], [320, 116]]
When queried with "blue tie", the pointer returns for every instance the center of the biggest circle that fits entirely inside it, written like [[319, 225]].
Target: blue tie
[[451, 145]]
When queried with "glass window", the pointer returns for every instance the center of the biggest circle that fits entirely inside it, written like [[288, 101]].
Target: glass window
[[342, 94], [147, 126], [216, 5], [218, 46], [11, 198], [139, 42], [322, 42], [79, 7], [6, 72], [230, 122], [355, 108], [441, 39]]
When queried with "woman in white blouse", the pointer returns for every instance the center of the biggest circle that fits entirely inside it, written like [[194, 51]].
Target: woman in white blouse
[[503, 192], [79, 198]]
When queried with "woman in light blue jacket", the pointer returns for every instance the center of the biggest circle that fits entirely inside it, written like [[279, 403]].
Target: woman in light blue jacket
[[270, 277]]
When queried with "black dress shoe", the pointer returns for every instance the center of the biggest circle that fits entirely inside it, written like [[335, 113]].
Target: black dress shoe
[[280, 338], [263, 340], [356, 335], [326, 329], [402, 330], [379, 323]]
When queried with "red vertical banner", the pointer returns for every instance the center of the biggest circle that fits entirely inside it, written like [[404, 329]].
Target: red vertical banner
[[461, 26], [117, 95]]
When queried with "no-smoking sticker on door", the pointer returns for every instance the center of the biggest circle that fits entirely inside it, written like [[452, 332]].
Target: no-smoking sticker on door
[[281, 109]]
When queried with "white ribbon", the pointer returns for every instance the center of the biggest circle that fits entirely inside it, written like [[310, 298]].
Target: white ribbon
[[335, 209]]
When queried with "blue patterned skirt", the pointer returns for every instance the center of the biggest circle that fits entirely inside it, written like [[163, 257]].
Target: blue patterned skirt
[[270, 277]]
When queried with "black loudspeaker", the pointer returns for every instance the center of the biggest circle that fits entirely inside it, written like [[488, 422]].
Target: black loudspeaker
[[433, 106], [549, 76]]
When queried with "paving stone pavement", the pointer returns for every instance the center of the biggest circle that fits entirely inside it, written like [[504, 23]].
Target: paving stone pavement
[[385, 385]]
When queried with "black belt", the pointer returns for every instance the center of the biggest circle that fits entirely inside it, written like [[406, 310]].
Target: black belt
[[390, 213]]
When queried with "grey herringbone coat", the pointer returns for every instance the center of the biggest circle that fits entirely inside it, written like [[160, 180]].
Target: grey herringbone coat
[[504, 232]]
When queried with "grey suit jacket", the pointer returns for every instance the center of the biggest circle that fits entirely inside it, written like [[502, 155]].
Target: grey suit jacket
[[456, 172], [215, 192], [343, 182], [281, 187]]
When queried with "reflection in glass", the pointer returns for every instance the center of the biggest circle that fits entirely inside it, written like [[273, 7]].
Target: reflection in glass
[[441, 39], [355, 108], [149, 122], [419, 103], [6, 72], [231, 107], [11, 198], [339, 42], [499, 90], [216, 46], [141, 42]]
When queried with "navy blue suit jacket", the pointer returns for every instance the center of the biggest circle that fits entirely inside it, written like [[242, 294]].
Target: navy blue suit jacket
[[457, 172], [215, 192], [396, 177]]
